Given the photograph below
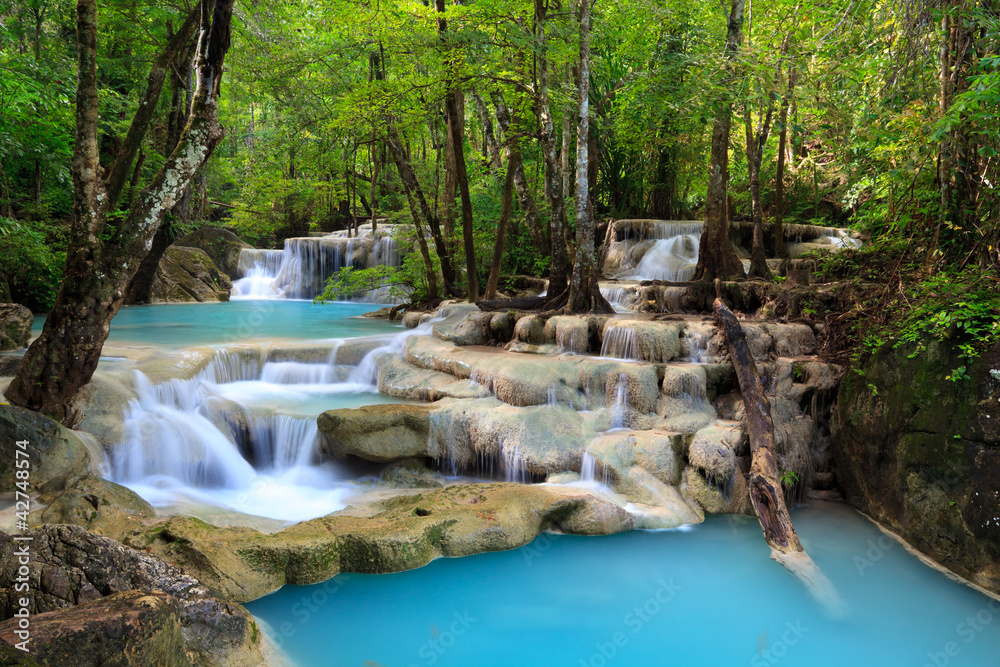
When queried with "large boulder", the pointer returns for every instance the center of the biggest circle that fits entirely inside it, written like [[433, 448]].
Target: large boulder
[[920, 453], [52, 449], [168, 619], [93, 503], [15, 326], [189, 274], [376, 432], [221, 245]]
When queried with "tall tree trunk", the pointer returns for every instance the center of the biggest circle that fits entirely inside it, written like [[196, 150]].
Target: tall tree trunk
[[779, 177], [558, 269], [717, 258], [525, 196], [507, 201], [755, 155], [456, 123], [585, 293], [420, 208], [490, 142], [64, 357]]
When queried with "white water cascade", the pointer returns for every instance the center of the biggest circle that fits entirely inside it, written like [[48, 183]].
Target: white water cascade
[[217, 439], [620, 342], [301, 269]]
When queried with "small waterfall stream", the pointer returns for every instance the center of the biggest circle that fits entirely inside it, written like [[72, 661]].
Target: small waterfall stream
[[302, 268]]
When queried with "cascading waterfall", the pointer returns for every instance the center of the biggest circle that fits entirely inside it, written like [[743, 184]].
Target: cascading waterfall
[[199, 439], [302, 268], [512, 461], [672, 259], [620, 342], [367, 371]]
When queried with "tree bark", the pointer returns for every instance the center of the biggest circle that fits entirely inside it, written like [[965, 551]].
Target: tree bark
[[456, 139], [558, 270], [585, 293], [140, 287], [525, 197], [755, 155], [766, 493], [513, 164], [101, 258], [420, 210], [779, 177], [717, 258]]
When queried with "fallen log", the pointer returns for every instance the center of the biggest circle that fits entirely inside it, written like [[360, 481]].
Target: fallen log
[[766, 495]]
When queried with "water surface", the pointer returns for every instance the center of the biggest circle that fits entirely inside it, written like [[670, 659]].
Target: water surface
[[178, 325], [707, 596]]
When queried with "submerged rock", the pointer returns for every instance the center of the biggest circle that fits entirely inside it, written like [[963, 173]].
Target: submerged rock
[[15, 326], [189, 274]]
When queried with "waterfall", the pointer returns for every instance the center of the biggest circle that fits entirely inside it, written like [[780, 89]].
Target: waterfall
[[588, 470], [620, 342], [296, 372], [513, 463], [699, 348], [618, 413], [673, 259], [199, 439], [367, 371], [302, 268]]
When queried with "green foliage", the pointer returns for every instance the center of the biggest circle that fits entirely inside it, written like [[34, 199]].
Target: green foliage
[[789, 478], [33, 262]]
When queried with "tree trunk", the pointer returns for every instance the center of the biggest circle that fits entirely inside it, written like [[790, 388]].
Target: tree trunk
[[585, 293], [755, 155], [779, 177], [140, 287], [558, 270], [717, 258], [100, 260], [420, 210], [456, 140], [513, 164], [525, 197], [766, 493]]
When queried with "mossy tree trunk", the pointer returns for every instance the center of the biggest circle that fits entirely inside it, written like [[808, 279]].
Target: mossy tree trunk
[[104, 253]]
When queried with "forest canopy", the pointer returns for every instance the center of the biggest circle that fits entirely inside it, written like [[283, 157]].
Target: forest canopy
[[878, 115]]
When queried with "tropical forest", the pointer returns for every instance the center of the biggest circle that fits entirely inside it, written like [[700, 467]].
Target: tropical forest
[[541, 333]]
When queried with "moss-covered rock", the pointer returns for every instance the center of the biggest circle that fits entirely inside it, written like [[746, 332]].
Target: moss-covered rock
[[921, 453], [96, 504], [221, 245], [396, 534], [383, 433], [15, 326], [92, 594], [52, 449], [189, 274]]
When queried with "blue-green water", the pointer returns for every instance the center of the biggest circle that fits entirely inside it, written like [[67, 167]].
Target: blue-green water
[[708, 596], [187, 324]]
